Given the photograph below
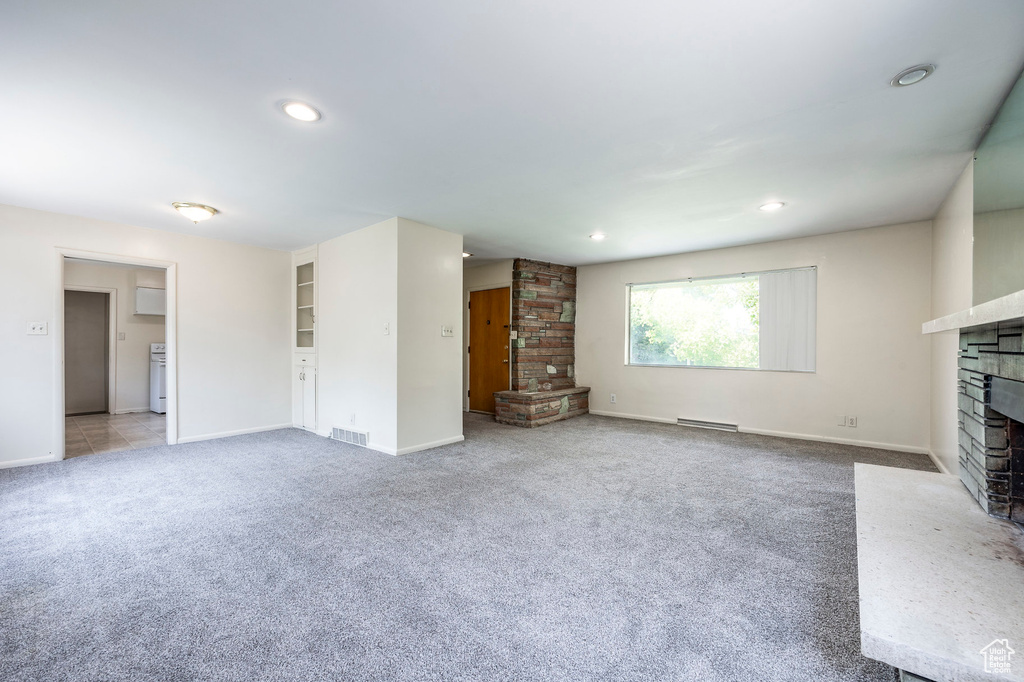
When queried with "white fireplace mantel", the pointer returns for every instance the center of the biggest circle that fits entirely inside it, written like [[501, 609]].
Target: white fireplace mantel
[[997, 310]]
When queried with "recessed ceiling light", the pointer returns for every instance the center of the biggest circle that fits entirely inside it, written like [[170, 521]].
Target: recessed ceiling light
[[466, 254], [301, 111], [771, 206], [194, 212], [597, 236], [915, 74]]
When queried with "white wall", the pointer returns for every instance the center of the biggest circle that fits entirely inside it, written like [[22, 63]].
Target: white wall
[[998, 248], [233, 331], [477, 278], [952, 241], [401, 387], [873, 362], [429, 365], [357, 363], [132, 354]]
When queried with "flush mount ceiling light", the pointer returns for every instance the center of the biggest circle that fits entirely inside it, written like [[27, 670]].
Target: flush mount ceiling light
[[915, 74], [466, 254], [194, 212], [301, 111], [597, 236], [771, 206]]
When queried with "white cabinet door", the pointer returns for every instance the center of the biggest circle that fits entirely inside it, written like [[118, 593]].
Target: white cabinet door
[[304, 397], [149, 301], [309, 399], [298, 390]]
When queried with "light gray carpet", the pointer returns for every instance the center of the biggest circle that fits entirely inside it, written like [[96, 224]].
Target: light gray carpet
[[595, 548]]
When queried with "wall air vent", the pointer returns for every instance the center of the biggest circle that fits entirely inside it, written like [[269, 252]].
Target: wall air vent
[[717, 426], [359, 438]]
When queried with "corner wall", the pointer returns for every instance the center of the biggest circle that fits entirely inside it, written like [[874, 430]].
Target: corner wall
[[874, 291], [402, 386], [429, 364], [233, 333], [357, 363], [951, 282]]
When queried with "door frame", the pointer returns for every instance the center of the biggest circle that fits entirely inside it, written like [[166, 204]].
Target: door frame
[[467, 345], [111, 339], [170, 331]]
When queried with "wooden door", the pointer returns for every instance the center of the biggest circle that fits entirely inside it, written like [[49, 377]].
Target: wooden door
[[86, 352], [489, 314]]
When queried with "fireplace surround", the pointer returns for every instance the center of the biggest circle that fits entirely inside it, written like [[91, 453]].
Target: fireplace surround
[[991, 412]]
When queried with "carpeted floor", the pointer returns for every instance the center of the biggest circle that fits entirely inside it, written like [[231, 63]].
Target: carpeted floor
[[595, 548]]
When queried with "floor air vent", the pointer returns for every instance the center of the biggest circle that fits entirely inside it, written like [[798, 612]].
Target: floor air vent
[[353, 437], [717, 426]]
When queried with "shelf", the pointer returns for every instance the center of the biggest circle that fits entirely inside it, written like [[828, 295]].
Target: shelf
[[305, 284], [304, 330], [303, 307]]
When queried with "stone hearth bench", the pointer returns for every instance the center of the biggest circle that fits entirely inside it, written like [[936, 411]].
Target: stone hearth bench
[[535, 408], [941, 582]]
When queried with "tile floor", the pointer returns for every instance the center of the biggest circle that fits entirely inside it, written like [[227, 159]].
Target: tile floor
[[95, 433]]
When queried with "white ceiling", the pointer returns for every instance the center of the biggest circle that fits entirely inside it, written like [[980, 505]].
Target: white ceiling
[[525, 126]]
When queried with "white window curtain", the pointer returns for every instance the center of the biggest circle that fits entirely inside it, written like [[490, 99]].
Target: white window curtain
[[788, 312]]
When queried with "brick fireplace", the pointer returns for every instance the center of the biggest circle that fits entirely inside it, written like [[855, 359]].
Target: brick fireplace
[[991, 409], [543, 353]]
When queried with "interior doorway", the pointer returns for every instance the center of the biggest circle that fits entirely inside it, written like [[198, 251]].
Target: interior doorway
[[114, 313], [490, 317], [86, 352]]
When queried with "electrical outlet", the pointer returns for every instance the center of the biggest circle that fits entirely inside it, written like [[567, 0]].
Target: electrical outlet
[[841, 420], [851, 422], [613, 398], [37, 328], [352, 419]]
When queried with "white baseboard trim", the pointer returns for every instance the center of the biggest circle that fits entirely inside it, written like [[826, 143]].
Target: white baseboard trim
[[434, 444], [416, 448], [842, 441], [637, 417], [938, 463], [227, 434], [785, 434], [132, 410], [28, 461]]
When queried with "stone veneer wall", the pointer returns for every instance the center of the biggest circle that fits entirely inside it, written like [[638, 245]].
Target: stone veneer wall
[[544, 318], [991, 445]]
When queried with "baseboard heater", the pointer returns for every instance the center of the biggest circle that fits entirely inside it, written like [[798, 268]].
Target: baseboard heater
[[359, 438], [700, 424]]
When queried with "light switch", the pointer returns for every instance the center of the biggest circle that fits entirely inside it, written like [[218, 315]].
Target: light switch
[[513, 334], [387, 328], [37, 328], [120, 336], [447, 331]]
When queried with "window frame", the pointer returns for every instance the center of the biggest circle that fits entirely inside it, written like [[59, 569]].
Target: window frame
[[689, 280]]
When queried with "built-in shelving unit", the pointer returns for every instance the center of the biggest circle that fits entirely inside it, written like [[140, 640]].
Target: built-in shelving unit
[[304, 330], [305, 316]]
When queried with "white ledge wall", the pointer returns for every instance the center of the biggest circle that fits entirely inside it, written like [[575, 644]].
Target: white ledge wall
[[233, 330], [952, 267], [404, 387], [874, 291]]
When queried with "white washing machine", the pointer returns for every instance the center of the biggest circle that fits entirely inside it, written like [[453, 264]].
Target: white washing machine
[[158, 377]]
